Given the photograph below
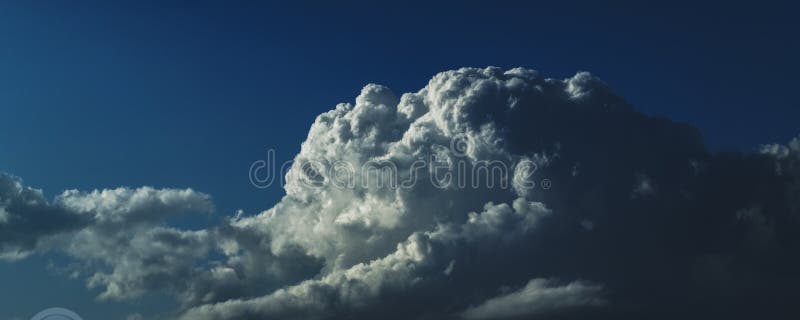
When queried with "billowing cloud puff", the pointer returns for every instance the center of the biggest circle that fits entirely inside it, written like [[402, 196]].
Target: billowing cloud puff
[[359, 288], [639, 207], [487, 194], [26, 218]]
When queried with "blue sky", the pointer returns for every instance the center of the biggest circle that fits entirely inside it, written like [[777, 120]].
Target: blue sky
[[100, 95]]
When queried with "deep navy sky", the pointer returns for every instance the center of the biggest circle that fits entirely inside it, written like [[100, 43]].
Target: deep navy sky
[[188, 95]]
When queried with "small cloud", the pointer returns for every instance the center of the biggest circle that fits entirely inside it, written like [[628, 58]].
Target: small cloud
[[587, 224], [538, 296], [449, 269], [135, 316], [643, 188]]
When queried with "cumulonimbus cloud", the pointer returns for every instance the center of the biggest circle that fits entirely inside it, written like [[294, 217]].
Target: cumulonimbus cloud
[[636, 216]]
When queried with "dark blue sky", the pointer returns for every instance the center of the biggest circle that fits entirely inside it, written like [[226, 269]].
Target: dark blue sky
[[189, 95]]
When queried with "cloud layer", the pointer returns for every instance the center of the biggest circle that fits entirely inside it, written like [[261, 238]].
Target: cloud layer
[[607, 213]]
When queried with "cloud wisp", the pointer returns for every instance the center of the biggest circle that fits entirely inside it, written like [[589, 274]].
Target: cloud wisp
[[537, 298]]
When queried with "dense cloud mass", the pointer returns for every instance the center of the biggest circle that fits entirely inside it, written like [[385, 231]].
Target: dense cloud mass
[[561, 201]]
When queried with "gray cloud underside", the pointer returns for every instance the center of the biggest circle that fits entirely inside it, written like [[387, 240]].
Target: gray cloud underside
[[537, 297]]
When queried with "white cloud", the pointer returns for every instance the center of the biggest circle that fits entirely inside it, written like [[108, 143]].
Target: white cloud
[[361, 285], [385, 249], [430, 250], [118, 228]]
